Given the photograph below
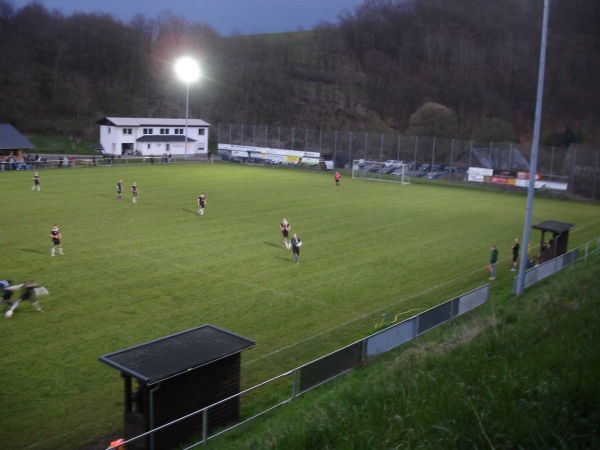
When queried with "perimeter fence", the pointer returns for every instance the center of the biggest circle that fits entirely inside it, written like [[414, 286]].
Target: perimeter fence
[[287, 386], [544, 270], [578, 167]]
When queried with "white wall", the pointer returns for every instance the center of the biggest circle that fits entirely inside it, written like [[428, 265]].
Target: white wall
[[112, 139]]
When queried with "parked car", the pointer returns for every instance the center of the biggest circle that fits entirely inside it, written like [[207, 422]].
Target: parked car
[[416, 173], [432, 175], [393, 163]]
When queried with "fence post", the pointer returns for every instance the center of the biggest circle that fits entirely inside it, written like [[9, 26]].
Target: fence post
[[470, 152], [573, 165], [334, 146], [416, 146], [350, 152], [295, 384], [320, 141], [398, 152], [306, 139], [451, 159], [433, 153], [366, 144], [205, 426], [381, 149], [595, 177]]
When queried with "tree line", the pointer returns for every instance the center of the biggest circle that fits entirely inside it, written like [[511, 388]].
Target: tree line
[[465, 69]]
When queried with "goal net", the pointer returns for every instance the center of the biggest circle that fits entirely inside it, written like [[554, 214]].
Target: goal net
[[394, 171]]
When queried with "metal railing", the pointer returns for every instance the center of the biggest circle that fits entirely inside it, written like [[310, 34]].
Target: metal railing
[[544, 270]]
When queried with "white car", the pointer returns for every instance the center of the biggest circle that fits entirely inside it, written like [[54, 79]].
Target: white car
[[393, 163]]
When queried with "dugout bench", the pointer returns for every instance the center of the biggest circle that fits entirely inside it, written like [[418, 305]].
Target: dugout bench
[[175, 376]]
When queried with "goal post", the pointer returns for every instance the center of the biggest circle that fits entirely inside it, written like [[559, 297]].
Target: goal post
[[394, 171]]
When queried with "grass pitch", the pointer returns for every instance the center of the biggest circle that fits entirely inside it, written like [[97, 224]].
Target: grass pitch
[[136, 272]]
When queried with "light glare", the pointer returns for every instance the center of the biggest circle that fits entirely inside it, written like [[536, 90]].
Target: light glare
[[187, 69]]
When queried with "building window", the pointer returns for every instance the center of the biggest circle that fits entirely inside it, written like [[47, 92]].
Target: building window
[[108, 130], [178, 130], [164, 131], [127, 130], [148, 130], [201, 131]]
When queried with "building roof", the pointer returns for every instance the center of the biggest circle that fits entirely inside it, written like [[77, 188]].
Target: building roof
[[11, 139], [164, 138], [176, 354], [150, 122]]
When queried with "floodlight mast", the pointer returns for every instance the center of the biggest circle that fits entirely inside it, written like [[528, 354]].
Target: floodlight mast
[[534, 154], [187, 70]]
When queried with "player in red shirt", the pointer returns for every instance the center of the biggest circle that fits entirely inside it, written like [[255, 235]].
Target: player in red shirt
[[134, 192], [36, 182], [285, 230], [201, 203], [56, 240]]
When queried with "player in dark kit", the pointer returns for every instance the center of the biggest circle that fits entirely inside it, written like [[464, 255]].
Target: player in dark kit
[[285, 230], [120, 191], [56, 238], [201, 204], [515, 255], [6, 292], [296, 243], [28, 293]]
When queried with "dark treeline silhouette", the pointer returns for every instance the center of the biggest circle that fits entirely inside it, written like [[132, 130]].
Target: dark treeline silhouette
[[372, 70]]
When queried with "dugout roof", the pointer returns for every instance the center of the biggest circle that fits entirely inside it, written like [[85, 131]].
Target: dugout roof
[[553, 226], [172, 355]]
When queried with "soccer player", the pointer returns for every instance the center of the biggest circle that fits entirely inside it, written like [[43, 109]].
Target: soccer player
[[134, 192], [120, 191], [6, 292], [493, 261], [285, 229], [515, 254], [36, 182], [201, 203], [56, 240], [28, 293], [296, 243], [337, 179]]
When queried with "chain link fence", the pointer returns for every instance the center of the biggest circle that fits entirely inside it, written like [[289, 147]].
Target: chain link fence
[[577, 166]]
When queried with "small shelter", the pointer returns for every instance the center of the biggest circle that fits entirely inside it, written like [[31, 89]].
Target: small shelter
[[11, 141], [178, 375], [557, 244]]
